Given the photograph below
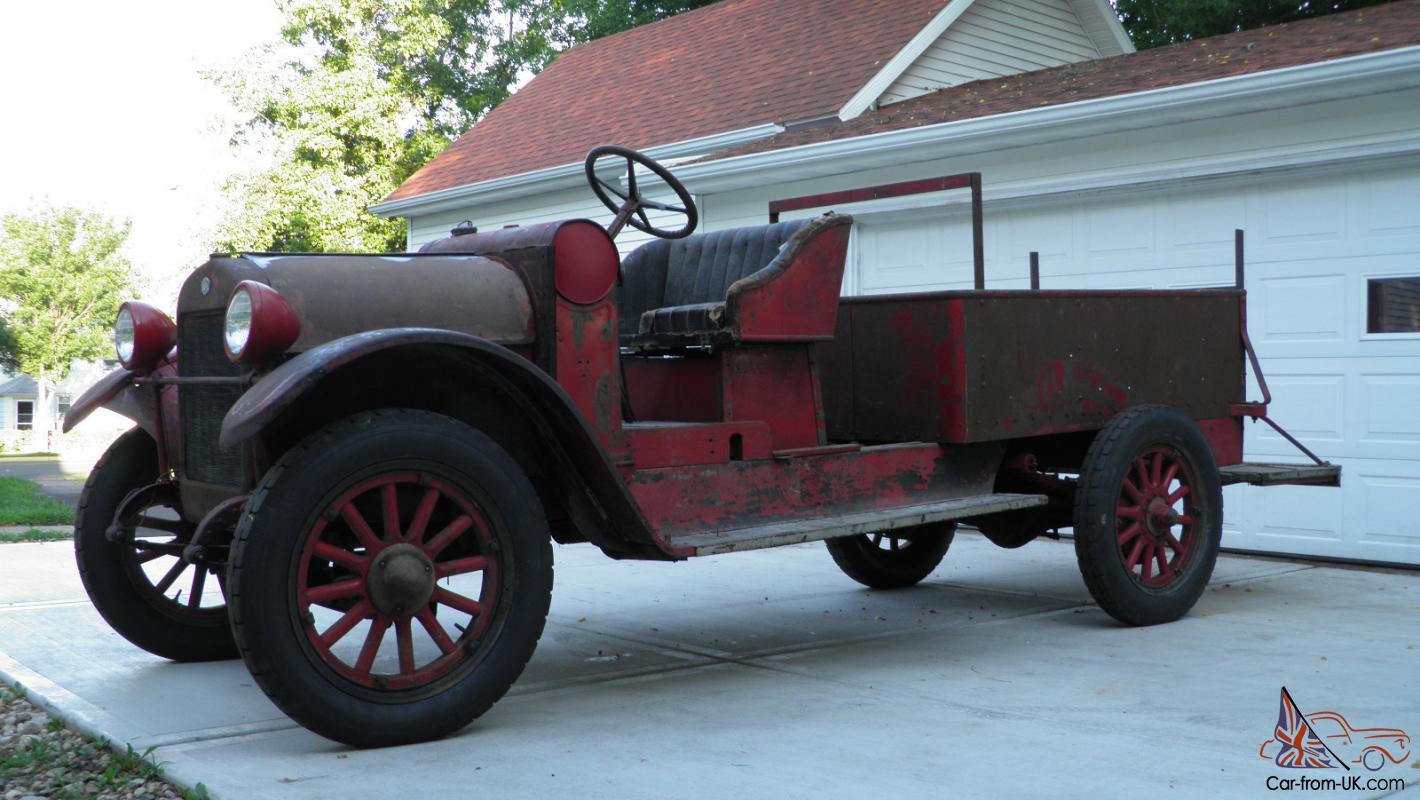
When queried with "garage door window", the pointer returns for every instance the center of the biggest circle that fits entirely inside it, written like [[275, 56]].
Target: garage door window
[[1393, 305]]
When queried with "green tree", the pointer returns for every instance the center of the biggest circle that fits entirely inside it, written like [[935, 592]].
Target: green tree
[[62, 278], [559, 24], [1152, 23], [376, 88]]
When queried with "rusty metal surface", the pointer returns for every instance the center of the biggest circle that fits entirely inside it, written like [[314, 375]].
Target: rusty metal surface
[[983, 366], [743, 494], [529, 251], [337, 295]]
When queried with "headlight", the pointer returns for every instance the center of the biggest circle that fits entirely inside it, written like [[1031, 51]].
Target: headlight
[[238, 323], [123, 335], [142, 336], [260, 323]]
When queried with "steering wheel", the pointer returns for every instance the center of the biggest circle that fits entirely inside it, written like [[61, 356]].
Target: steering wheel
[[632, 208]]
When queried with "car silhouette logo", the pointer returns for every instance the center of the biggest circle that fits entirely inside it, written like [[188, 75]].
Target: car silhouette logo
[[1326, 740]]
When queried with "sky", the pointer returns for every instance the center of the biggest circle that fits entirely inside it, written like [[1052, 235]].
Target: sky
[[104, 108]]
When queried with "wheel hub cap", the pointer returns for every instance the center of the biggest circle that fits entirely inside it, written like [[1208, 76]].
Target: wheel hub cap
[[1160, 518], [401, 580]]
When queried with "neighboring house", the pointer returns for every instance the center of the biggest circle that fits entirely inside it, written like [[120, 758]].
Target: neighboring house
[[17, 410], [19, 415], [1123, 169]]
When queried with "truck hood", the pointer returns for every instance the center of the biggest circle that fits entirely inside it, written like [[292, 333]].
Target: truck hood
[[339, 295]]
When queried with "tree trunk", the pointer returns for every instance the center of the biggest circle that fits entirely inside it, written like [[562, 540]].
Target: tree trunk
[[43, 420]]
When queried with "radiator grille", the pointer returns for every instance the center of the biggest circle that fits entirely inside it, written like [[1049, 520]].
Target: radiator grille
[[200, 353]]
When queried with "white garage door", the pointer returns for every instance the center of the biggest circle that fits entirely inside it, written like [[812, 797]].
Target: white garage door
[[1316, 245]]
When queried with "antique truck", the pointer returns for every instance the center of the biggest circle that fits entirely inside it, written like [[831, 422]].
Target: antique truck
[[349, 469]]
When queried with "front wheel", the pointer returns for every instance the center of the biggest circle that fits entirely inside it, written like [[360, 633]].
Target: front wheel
[[893, 559], [1148, 516], [390, 578], [140, 584]]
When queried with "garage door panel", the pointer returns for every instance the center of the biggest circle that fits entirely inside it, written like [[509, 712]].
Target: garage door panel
[[1391, 405], [1204, 222], [1389, 209], [1299, 512], [1299, 309], [1048, 232], [1312, 407], [1389, 502], [1304, 213], [1119, 230]]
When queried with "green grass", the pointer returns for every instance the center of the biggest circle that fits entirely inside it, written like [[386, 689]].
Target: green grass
[[22, 504], [36, 536], [29, 455]]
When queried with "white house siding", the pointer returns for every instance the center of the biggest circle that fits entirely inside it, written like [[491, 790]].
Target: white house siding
[[994, 38]]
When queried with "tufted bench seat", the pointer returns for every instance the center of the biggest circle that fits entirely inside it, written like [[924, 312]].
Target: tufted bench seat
[[775, 282]]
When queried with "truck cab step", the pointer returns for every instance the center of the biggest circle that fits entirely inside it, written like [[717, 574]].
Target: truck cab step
[[1260, 474], [811, 529]]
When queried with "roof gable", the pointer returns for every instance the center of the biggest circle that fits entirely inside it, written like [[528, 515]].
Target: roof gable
[[732, 65], [981, 39]]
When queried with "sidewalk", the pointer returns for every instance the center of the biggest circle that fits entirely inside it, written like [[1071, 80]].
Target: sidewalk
[[770, 674]]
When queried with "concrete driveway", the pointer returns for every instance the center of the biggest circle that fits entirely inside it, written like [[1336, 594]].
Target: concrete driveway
[[769, 674]]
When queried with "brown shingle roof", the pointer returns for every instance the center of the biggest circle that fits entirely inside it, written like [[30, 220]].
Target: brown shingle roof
[[731, 65], [1369, 30]]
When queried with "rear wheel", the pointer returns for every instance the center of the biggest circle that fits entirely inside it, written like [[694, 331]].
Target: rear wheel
[[1148, 516], [893, 559], [390, 578], [139, 584]]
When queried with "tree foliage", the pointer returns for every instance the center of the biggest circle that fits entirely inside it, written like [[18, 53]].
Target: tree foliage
[[373, 89], [62, 278], [1152, 23]]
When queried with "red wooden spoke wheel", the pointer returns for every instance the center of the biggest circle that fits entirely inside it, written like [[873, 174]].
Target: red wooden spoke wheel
[[377, 556], [1148, 515], [390, 577], [1157, 517]]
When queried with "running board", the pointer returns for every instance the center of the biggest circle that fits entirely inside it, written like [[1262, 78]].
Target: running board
[[1280, 474], [776, 534]]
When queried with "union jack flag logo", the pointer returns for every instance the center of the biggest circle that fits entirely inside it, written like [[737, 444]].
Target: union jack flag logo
[[1300, 747]]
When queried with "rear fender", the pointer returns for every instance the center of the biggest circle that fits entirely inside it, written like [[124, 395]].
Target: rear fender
[[567, 443]]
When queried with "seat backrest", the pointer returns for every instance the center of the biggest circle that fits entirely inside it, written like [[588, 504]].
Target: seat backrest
[[696, 269]]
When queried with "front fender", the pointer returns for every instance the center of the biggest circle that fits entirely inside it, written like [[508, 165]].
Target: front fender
[[283, 386], [99, 395], [564, 429]]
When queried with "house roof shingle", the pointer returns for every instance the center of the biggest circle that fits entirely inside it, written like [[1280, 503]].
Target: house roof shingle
[[19, 384], [731, 65], [1369, 30]]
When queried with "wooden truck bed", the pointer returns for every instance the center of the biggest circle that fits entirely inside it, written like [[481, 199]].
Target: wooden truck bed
[[978, 366]]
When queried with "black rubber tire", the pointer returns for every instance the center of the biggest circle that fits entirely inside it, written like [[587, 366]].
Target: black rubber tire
[[267, 545], [161, 627], [866, 562], [1097, 549]]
